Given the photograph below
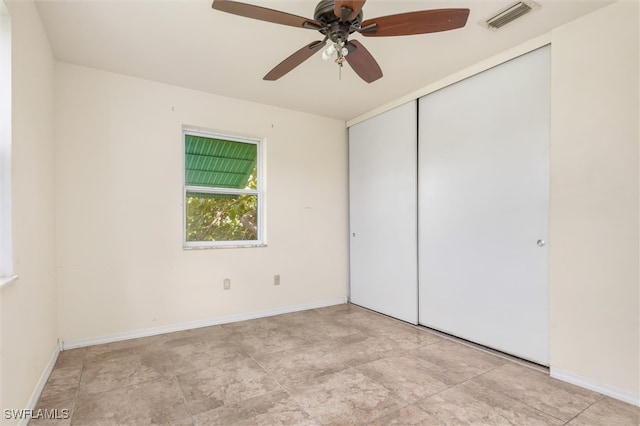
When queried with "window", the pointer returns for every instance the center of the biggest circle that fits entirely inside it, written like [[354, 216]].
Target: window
[[6, 241], [222, 191]]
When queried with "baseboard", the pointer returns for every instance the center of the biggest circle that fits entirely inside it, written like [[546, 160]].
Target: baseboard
[[35, 395], [613, 392], [72, 344]]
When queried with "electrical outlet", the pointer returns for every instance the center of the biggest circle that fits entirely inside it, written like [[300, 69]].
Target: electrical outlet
[[276, 280], [227, 284]]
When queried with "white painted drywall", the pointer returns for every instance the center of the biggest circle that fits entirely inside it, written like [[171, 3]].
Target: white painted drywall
[[594, 255], [121, 265], [28, 306]]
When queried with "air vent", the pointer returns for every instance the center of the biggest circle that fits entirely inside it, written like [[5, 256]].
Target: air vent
[[510, 14]]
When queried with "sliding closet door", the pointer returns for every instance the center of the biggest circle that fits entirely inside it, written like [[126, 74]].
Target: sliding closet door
[[383, 213], [483, 202]]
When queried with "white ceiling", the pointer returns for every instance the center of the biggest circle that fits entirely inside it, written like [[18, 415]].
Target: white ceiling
[[187, 43]]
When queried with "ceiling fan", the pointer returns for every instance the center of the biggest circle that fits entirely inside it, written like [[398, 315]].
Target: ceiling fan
[[336, 20]]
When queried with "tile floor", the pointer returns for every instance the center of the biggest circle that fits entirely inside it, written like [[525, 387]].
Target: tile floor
[[341, 365]]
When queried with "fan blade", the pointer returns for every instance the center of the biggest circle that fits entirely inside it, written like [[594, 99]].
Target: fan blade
[[362, 62], [264, 14], [421, 22], [294, 60], [355, 6]]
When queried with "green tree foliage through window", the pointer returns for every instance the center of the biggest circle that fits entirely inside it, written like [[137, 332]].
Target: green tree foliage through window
[[221, 189]]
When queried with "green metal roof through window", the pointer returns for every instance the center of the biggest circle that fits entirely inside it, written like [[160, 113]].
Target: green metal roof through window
[[218, 162]]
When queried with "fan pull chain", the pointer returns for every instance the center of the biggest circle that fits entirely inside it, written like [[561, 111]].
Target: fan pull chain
[[340, 62]]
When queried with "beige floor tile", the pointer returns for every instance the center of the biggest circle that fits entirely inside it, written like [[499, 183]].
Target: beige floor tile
[[48, 414], [157, 402], [408, 416], [465, 361], [251, 326], [338, 365], [609, 412], [271, 409], [472, 404], [61, 386], [335, 311], [325, 330], [409, 377], [538, 390], [298, 318], [366, 321], [125, 371], [228, 383], [215, 334], [114, 350], [301, 365], [203, 354], [365, 350], [406, 337], [346, 397], [268, 341], [71, 357]]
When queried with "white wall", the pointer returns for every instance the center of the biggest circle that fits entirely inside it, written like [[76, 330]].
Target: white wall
[[121, 266], [594, 240], [28, 306]]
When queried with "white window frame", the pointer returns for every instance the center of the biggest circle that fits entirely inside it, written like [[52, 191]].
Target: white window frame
[[258, 192], [6, 240]]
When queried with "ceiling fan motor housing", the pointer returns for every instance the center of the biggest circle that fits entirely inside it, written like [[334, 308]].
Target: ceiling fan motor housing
[[334, 28]]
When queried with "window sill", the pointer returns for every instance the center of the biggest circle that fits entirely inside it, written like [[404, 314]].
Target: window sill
[[194, 247], [5, 281]]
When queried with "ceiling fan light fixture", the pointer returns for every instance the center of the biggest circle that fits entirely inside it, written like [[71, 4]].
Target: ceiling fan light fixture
[[328, 52], [510, 14]]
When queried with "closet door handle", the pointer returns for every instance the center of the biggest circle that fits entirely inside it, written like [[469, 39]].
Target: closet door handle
[[541, 243]]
